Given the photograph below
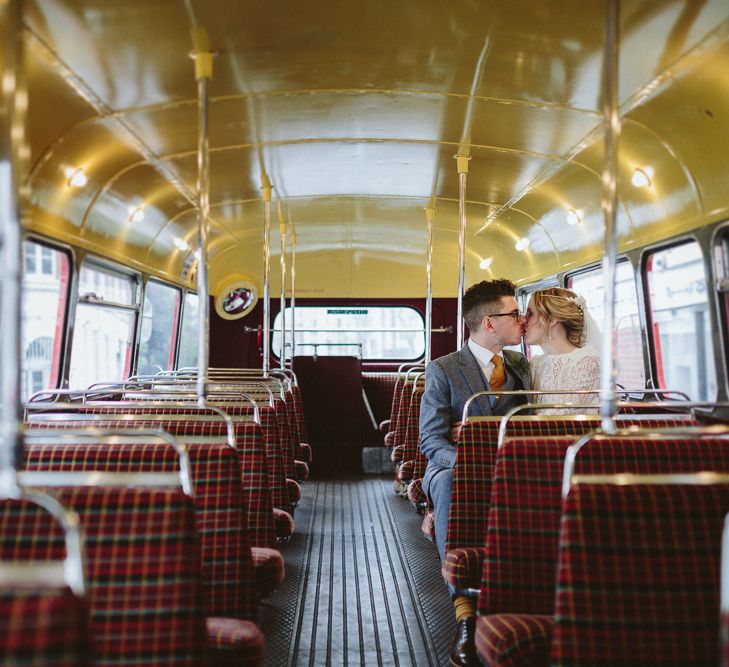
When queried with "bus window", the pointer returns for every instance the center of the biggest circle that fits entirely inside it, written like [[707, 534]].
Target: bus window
[[104, 326], [679, 314], [159, 328], [370, 332], [629, 349], [43, 310], [189, 335]]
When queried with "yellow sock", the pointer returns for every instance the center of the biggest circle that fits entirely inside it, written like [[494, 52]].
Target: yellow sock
[[464, 607]]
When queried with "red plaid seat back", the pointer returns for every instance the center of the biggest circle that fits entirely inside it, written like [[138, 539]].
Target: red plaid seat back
[[639, 575], [43, 627], [652, 455], [254, 458], [142, 568], [379, 389], [299, 410], [227, 569], [523, 527], [471, 491], [411, 440]]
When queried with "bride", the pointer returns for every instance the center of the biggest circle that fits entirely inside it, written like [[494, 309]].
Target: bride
[[557, 320]]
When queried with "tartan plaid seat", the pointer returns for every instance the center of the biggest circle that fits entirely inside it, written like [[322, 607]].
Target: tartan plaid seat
[[294, 491], [379, 389], [299, 412], [43, 627], [269, 569], [143, 571], [283, 524], [511, 640], [302, 471], [304, 453], [638, 580], [463, 566], [416, 495], [253, 452], [475, 457], [227, 567], [234, 643], [524, 519], [405, 471], [396, 455], [411, 438]]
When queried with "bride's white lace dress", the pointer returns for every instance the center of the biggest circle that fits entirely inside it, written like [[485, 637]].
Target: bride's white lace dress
[[579, 369]]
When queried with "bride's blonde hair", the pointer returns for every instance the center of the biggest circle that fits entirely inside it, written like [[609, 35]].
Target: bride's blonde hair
[[564, 306]]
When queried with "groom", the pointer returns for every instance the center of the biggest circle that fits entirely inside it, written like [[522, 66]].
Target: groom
[[494, 321]]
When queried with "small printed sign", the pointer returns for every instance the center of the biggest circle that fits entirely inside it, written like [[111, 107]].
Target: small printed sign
[[346, 311]]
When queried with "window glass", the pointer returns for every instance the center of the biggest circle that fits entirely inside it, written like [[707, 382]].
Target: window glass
[[679, 311], [189, 335], [103, 330], [159, 328], [43, 312], [371, 332], [100, 283], [629, 349]]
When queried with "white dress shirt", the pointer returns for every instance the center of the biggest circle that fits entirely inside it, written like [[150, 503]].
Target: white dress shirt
[[483, 357]]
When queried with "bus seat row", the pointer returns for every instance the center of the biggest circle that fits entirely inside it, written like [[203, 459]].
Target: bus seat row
[[230, 461], [143, 572], [637, 578], [474, 472]]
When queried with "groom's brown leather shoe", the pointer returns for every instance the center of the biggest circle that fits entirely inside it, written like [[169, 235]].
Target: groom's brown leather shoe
[[464, 649]]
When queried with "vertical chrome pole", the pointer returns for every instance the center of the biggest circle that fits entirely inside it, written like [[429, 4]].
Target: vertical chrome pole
[[266, 189], [611, 116], [293, 292], [203, 73], [462, 163], [282, 233], [430, 217], [13, 155]]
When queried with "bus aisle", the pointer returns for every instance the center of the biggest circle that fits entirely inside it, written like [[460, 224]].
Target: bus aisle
[[363, 587]]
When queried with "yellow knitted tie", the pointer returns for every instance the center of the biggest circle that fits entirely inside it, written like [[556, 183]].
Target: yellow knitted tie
[[498, 376]]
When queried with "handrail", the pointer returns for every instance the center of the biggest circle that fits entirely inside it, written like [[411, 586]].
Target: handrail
[[679, 405], [318, 345], [110, 436], [74, 564], [60, 412], [576, 392], [705, 478], [673, 433]]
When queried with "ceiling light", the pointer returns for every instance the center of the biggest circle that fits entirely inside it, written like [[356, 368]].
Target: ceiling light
[[485, 263], [642, 177], [574, 216], [181, 244], [136, 214], [522, 244], [76, 177]]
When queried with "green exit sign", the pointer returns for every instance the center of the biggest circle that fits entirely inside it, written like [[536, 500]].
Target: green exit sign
[[346, 311]]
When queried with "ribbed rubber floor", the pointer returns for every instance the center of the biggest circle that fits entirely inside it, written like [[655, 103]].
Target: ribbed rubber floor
[[363, 587]]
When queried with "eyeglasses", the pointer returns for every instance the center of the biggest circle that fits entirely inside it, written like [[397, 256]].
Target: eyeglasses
[[514, 313]]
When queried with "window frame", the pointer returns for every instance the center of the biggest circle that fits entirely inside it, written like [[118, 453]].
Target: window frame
[[180, 319], [646, 253], [175, 332], [61, 344], [630, 259], [364, 360], [719, 245], [104, 265]]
